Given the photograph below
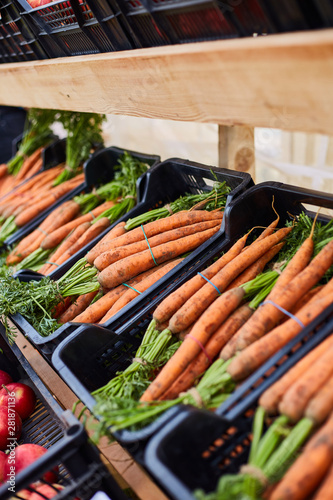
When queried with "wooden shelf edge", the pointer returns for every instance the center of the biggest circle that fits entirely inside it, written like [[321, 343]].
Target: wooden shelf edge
[[279, 81]]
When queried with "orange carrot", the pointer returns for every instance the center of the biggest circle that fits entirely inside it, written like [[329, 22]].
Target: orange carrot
[[98, 309], [128, 267], [307, 472], [268, 315], [116, 231], [29, 162], [296, 398], [201, 363], [46, 202], [256, 268], [3, 170], [79, 305], [320, 406], [192, 309], [152, 228], [325, 489], [257, 353], [207, 324], [298, 262], [107, 258], [63, 248], [61, 307], [57, 236], [140, 287], [175, 300], [94, 230], [271, 398]]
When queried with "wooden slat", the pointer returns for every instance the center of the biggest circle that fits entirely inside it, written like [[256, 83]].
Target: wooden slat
[[236, 148], [279, 81]]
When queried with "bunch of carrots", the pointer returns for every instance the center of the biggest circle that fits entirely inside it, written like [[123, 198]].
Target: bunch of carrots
[[22, 204], [37, 194], [27, 161], [293, 459], [226, 337], [76, 222], [129, 262]]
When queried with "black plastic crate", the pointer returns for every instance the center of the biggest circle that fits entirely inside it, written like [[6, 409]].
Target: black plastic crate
[[74, 27], [142, 25], [248, 17], [197, 447], [295, 15], [81, 471], [17, 38], [192, 20], [105, 350], [154, 190]]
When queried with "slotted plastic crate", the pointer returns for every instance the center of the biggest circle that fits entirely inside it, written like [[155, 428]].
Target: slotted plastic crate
[[197, 447], [192, 20], [73, 27], [17, 40], [105, 350], [154, 190], [81, 471], [249, 17]]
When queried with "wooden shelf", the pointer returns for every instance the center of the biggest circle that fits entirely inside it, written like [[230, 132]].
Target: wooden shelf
[[279, 81]]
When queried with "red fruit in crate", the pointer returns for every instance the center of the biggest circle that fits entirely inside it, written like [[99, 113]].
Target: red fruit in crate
[[10, 427], [47, 490], [5, 378], [26, 454], [3, 458], [20, 397]]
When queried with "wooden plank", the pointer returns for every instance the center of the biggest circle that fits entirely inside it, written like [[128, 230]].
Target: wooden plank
[[236, 148], [124, 469], [278, 81]]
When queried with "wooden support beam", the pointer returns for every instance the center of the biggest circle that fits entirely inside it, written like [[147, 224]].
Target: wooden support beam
[[236, 149]]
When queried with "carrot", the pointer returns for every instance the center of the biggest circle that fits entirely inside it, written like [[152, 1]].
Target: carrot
[[175, 300], [3, 170], [257, 353], [269, 229], [298, 262], [192, 309], [47, 201], [29, 162], [325, 489], [256, 268], [207, 324], [271, 398], [36, 167], [159, 226], [200, 364], [63, 248], [128, 267], [141, 287], [320, 406], [57, 216], [56, 237], [61, 307], [89, 234], [116, 231], [268, 315], [296, 398], [306, 298], [79, 305], [107, 258], [99, 308], [307, 472]]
